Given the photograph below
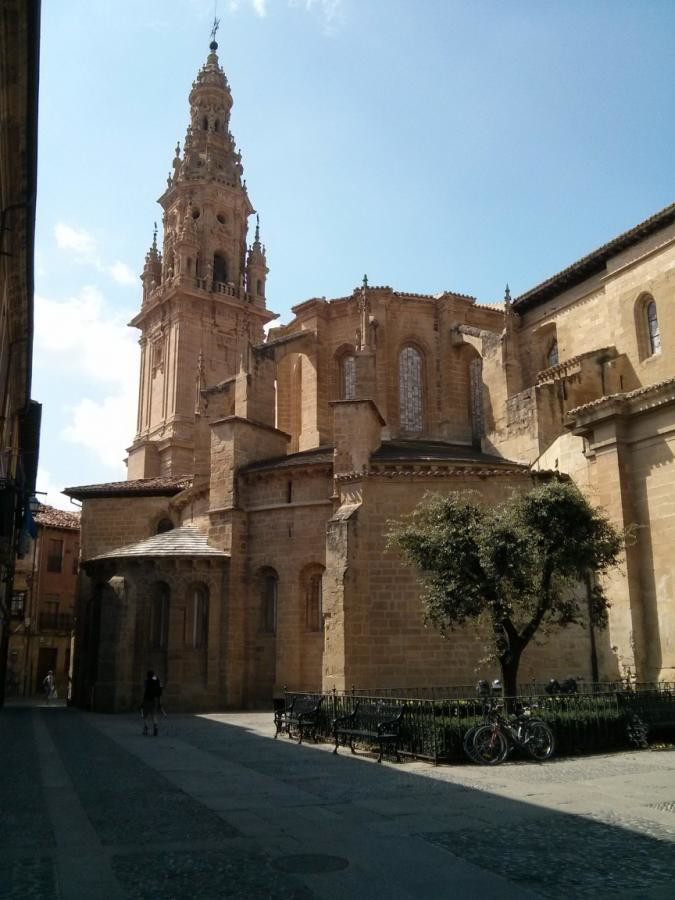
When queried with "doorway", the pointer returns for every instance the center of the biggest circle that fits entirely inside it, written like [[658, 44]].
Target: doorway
[[46, 660]]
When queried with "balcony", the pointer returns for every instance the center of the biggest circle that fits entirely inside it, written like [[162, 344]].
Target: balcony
[[50, 621]]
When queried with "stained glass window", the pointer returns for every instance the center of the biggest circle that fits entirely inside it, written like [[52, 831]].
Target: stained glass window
[[348, 378], [653, 328], [552, 355], [410, 390]]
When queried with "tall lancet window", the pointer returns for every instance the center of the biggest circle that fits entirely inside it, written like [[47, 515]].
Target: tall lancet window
[[348, 377], [410, 390], [552, 355], [653, 331]]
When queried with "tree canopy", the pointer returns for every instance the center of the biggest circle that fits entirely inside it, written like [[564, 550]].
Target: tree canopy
[[518, 564]]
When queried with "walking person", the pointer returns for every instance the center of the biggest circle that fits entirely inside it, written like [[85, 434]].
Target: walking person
[[151, 704], [49, 686]]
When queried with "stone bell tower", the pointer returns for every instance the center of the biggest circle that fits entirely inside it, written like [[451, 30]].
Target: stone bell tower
[[204, 293]]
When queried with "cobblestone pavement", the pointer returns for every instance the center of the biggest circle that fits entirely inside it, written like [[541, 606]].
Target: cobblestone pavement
[[214, 807]]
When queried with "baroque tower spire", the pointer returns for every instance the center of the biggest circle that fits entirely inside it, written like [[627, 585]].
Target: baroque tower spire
[[204, 293]]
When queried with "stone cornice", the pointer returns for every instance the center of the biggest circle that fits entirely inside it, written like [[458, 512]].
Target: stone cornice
[[570, 366], [629, 403], [436, 471]]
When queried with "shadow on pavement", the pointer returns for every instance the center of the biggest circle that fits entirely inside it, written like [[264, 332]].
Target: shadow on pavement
[[226, 811]]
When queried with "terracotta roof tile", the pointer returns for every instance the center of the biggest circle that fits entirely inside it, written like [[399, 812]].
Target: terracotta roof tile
[[593, 262], [166, 486], [50, 517], [626, 395]]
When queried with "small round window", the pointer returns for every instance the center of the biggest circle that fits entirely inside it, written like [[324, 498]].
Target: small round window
[[221, 218], [195, 213]]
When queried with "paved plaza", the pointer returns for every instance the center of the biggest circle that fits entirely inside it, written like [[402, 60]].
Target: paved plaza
[[214, 807]]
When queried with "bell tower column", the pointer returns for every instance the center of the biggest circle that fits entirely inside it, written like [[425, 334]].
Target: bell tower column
[[204, 292]]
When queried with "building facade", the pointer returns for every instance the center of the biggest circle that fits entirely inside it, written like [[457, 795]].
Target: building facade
[[42, 624], [248, 548], [19, 415]]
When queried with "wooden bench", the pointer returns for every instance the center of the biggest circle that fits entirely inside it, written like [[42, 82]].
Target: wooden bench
[[301, 715], [378, 723]]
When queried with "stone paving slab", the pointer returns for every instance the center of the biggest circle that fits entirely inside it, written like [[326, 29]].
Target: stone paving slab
[[214, 807]]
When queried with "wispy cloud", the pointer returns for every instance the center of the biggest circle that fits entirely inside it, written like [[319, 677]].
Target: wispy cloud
[[83, 248], [75, 240], [50, 492], [329, 12], [83, 336], [122, 274]]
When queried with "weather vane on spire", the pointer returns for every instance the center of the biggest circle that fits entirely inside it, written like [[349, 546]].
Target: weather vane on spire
[[214, 30]]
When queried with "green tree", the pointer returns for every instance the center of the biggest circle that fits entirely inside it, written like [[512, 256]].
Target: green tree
[[516, 566]]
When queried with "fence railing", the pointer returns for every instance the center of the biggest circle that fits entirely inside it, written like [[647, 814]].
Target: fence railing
[[434, 727]]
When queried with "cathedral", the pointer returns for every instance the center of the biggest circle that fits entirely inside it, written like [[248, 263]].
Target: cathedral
[[247, 550]]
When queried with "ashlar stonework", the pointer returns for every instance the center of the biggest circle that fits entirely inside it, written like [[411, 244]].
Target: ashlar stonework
[[247, 550]]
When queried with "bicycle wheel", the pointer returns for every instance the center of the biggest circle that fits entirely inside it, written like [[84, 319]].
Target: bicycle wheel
[[540, 741], [490, 746], [468, 743]]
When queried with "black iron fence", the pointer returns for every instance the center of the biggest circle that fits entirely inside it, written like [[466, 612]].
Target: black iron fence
[[587, 722]]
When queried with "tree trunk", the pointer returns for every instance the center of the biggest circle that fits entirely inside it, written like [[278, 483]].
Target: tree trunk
[[509, 665]]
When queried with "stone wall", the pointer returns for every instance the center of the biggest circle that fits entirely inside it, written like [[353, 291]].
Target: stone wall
[[376, 636]]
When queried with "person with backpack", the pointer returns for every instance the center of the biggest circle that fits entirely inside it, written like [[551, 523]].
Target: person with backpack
[[151, 703]]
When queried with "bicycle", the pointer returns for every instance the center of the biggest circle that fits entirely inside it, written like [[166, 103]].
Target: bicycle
[[491, 742]]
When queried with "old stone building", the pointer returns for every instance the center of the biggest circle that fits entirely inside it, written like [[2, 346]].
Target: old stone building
[[247, 549], [43, 604]]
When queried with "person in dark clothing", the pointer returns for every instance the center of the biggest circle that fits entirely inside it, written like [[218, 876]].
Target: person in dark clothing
[[151, 704]]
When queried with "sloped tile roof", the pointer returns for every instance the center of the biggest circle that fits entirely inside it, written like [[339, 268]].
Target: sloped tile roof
[[166, 486], [187, 540], [621, 397], [303, 457], [51, 517], [430, 451], [593, 262]]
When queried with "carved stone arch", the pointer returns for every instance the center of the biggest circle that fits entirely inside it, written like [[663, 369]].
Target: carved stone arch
[[161, 522], [221, 267]]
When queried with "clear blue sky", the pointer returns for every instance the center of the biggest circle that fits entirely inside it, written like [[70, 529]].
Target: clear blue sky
[[434, 144]]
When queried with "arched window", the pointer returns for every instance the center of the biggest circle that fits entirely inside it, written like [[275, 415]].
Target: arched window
[[197, 620], [163, 525], [313, 602], [219, 268], [216, 125], [268, 601], [410, 390], [348, 377], [653, 333], [258, 287], [552, 355], [205, 124], [159, 616], [189, 265]]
